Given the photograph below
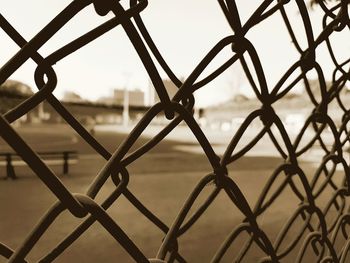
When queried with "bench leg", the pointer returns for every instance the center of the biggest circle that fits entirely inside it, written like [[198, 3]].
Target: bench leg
[[9, 168], [65, 163]]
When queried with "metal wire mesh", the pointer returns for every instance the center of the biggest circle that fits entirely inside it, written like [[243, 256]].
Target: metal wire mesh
[[318, 229]]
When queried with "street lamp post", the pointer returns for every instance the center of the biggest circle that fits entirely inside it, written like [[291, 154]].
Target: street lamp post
[[126, 106]]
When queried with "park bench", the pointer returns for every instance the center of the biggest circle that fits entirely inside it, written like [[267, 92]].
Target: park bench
[[10, 160]]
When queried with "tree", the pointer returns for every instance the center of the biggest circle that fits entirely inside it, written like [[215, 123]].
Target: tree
[[16, 89]]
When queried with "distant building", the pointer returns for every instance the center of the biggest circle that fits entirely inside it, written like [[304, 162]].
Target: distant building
[[72, 97], [136, 97], [152, 96]]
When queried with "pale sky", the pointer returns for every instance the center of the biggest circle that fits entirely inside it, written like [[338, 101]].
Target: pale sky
[[183, 30]]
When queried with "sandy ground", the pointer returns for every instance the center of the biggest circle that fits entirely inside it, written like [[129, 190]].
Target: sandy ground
[[162, 180]]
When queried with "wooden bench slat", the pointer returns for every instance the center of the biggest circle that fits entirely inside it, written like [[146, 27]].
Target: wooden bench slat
[[11, 160], [48, 162]]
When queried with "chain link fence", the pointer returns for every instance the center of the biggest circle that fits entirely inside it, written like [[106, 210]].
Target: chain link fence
[[317, 228]]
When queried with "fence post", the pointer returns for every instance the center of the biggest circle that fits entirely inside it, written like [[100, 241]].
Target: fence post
[[9, 167], [65, 162]]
